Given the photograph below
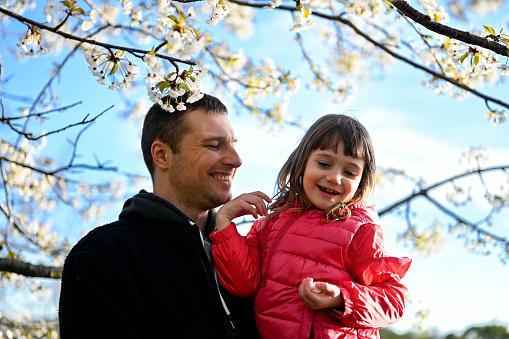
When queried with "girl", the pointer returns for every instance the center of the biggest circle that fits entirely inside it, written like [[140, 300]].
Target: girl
[[316, 263]]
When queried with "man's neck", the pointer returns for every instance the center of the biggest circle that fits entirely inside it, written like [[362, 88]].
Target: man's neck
[[200, 217], [202, 220]]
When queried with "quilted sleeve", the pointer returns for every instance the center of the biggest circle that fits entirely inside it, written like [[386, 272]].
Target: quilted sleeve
[[237, 260], [376, 299]]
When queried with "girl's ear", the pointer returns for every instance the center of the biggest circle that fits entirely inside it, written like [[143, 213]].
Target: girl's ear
[[161, 154]]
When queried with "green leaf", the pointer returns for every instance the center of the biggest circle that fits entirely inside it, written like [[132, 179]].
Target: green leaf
[[39, 38], [174, 18], [66, 3], [114, 69], [162, 85], [476, 60], [463, 57], [388, 4], [184, 86], [79, 10], [11, 255], [489, 30]]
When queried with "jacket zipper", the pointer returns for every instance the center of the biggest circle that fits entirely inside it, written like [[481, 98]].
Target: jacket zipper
[[279, 236], [230, 325]]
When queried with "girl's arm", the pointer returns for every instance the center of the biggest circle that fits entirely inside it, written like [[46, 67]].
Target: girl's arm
[[376, 298], [238, 259]]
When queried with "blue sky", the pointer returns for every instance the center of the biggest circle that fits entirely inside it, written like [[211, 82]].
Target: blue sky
[[411, 127]]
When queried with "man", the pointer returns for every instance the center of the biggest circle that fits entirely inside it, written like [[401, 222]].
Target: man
[[149, 274]]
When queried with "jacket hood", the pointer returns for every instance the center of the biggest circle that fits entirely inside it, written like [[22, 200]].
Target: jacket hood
[[358, 208], [364, 209], [152, 207]]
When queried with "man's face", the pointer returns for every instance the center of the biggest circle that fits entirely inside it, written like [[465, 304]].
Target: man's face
[[201, 173]]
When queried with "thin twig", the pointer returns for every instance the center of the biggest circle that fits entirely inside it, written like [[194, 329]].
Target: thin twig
[[133, 51], [475, 40]]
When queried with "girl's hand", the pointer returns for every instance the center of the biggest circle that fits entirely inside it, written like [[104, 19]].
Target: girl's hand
[[254, 203], [319, 295]]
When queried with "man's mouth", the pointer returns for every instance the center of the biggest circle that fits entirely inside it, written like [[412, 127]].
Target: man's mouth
[[328, 191], [222, 177]]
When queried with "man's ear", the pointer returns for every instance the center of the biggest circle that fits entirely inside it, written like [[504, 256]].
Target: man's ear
[[161, 154]]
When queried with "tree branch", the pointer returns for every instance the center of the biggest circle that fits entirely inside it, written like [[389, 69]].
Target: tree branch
[[133, 51], [425, 21], [39, 114], [30, 270], [461, 220], [423, 191], [30, 136], [479, 41]]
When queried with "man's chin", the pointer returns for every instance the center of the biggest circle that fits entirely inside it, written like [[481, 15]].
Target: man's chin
[[221, 200]]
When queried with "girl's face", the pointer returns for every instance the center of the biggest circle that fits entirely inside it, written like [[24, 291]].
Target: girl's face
[[330, 178]]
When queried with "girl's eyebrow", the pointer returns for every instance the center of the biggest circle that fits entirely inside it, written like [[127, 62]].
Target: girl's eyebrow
[[331, 155], [325, 152]]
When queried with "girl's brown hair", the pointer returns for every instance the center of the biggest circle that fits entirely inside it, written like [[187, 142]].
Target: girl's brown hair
[[325, 134]]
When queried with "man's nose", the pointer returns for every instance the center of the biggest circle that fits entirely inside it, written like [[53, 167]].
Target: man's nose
[[232, 158]]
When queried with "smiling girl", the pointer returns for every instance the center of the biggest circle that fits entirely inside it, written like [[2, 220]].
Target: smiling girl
[[316, 263]]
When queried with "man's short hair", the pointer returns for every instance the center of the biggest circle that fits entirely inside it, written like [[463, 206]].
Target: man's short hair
[[170, 128]]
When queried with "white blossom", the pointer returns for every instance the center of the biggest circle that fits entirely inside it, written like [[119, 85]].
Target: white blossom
[[168, 107], [503, 69], [194, 97], [49, 9], [158, 31], [181, 106], [219, 11], [88, 24]]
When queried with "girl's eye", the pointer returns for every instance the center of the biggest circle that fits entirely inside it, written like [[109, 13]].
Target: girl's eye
[[350, 174], [323, 164]]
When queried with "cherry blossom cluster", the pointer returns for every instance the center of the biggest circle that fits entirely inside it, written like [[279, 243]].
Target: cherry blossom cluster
[[364, 8], [182, 41], [437, 13], [219, 11], [31, 42], [482, 61], [175, 85], [105, 65]]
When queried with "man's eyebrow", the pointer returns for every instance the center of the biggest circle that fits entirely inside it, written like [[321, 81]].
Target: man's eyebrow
[[218, 138]]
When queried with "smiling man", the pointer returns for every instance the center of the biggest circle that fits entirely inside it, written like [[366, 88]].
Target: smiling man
[[150, 274]]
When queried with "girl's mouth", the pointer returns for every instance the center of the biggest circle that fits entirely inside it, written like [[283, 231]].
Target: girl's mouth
[[328, 191]]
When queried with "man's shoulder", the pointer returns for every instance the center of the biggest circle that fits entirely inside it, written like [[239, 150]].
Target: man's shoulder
[[103, 237]]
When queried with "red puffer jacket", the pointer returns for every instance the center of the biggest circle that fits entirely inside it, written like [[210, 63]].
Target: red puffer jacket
[[279, 253]]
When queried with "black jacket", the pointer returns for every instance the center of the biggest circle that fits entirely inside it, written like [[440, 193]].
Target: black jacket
[[147, 276]]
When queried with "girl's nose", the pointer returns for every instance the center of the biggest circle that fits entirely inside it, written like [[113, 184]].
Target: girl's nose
[[334, 178]]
